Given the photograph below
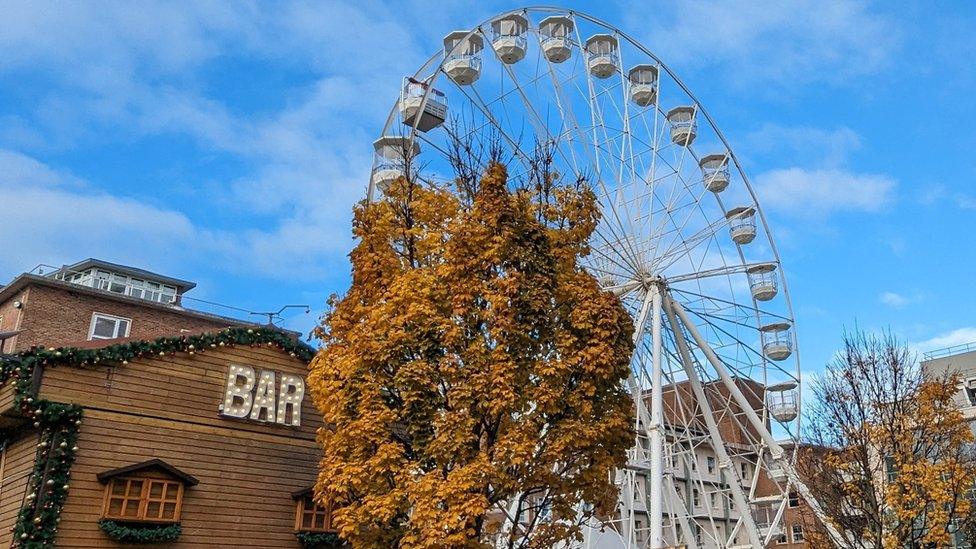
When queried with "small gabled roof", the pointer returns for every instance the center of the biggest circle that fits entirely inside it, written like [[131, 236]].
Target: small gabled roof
[[159, 464]]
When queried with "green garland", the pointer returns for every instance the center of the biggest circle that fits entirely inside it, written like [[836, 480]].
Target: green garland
[[124, 352], [37, 523], [318, 539], [141, 533]]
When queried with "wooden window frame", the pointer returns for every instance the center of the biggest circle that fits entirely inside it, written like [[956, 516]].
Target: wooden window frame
[[143, 499], [317, 510]]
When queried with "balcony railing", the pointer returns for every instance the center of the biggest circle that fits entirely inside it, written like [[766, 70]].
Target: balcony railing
[[949, 351]]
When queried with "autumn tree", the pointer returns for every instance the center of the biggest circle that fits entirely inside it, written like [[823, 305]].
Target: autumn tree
[[899, 465], [472, 377]]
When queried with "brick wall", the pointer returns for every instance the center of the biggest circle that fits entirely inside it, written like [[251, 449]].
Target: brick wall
[[10, 318], [54, 316]]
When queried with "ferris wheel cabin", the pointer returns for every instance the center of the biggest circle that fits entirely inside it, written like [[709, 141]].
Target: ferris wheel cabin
[[684, 128], [715, 172], [390, 154], [508, 37], [781, 399], [555, 32], [643, 84], [742, 224], [412, 98], [462, 56], [601, 55], [777, 340], [762, 281]]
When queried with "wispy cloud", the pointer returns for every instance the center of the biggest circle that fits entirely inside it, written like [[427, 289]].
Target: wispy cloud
[[818, 192], [775, 42], [52, 216], [958, 336], [804, 144], [114, 72], [896, 300]]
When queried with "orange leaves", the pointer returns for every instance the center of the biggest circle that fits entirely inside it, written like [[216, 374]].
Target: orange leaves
[[933, 470], [471, 360]]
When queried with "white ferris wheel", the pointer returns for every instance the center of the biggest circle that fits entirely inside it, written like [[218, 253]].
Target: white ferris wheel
[[683, 242]]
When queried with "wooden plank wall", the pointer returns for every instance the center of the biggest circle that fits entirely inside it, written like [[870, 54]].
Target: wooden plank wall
[[167, 408], [18, 462]]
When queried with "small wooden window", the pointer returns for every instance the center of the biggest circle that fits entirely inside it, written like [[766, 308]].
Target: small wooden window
[[143, 499], [312, 516]]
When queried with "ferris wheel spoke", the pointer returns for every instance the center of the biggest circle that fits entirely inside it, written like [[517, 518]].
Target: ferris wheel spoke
[[762, 312], [618, 233], [726, 270], [680, 228], [724, 461]]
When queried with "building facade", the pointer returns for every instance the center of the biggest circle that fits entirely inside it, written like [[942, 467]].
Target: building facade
[[697, 489], [211, 432], [128, 418], [98, 300], [961, 360], [208, 427]]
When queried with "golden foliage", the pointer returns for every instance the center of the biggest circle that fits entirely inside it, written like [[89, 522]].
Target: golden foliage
[[471, 363], [931, 468], [893, 462]]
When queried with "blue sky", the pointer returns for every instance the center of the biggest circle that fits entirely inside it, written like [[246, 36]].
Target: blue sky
[[226, 143]]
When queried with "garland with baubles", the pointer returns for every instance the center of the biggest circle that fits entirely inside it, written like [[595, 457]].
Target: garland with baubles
[[58, 424], [37, 522], [140, 533], [311, 540]]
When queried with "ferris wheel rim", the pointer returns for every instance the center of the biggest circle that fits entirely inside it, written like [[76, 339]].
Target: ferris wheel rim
[[700, 107]]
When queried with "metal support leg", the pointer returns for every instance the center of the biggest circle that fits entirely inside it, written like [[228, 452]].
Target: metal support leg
[[724, 462], [775, 450], [656, 517]]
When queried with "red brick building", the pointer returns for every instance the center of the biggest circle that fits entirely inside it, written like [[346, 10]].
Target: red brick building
[[95, 300]]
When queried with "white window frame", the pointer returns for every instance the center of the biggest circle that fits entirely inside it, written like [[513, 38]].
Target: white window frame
[[792, 499], [793, 530], [96, 315]]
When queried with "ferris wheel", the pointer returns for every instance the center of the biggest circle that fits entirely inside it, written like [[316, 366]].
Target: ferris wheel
[[683, 242]]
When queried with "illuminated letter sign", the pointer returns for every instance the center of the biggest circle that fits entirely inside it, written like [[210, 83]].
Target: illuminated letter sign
[[256, 396]]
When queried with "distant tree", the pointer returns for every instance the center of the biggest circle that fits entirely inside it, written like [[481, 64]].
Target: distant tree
[[474, 370], [901, 465]]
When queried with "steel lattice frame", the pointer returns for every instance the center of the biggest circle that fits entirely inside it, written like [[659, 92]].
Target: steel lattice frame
[[699, 370]]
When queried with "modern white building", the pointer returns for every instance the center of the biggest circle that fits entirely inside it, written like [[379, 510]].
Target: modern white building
[[960, 359]]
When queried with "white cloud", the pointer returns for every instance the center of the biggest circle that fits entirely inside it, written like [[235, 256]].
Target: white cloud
[[115, 72], [52, 216], [959, 336], [784, 42], [896, 300], [818, 192], [804, 144], [966, 202]]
